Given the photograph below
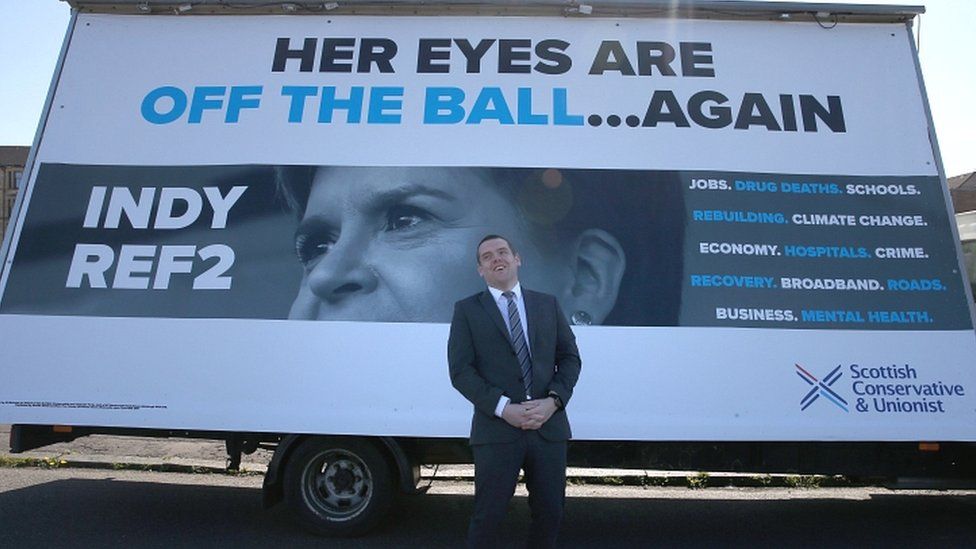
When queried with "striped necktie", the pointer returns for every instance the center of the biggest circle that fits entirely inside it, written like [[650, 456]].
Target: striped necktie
[[519, 343]]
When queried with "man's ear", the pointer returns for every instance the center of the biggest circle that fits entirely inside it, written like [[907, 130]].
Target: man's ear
[[597, 264]]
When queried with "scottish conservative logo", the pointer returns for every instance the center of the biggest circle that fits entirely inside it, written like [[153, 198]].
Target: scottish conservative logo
[[821, 388]]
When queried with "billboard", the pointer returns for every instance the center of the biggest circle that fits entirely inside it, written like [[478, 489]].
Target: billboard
[[262, 224]]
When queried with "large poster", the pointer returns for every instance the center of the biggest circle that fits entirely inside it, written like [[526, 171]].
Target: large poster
[[743, 221], [391, 244]]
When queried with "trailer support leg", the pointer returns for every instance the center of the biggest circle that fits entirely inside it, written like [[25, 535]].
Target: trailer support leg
[[235, 447]]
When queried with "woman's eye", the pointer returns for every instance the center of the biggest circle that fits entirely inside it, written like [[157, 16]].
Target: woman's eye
[[404, 217], [310, 247]]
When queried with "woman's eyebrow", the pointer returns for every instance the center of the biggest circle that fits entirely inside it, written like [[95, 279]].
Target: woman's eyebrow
[[314, 223], [388, 196]]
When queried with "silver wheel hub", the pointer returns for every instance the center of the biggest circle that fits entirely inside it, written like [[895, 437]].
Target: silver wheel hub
[[338, 484]]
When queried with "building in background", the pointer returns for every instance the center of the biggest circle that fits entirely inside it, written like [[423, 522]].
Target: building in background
[[963, 191], [12, 161]]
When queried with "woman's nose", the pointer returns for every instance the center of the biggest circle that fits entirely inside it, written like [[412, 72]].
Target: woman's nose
[[343, 273]]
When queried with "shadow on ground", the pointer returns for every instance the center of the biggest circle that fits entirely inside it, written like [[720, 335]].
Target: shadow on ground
[[109, 512]]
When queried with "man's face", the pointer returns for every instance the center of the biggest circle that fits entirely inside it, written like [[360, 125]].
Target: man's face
[[498, 264], [394, 244]]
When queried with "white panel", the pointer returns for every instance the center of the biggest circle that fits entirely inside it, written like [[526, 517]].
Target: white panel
[[391, 379], [375, 378], [96, 116]]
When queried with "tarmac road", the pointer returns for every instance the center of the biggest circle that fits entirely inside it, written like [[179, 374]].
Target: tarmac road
[[68, 507]]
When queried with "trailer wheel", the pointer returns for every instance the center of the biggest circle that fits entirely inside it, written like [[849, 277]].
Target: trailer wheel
[[338, 486]]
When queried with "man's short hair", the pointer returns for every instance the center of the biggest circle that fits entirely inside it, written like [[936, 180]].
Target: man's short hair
[[488, 237]]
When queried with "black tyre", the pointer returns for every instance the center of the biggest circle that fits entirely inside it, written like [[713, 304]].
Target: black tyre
[[338, 486]]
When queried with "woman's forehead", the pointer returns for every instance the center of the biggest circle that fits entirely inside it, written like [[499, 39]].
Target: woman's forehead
[[368, 182]]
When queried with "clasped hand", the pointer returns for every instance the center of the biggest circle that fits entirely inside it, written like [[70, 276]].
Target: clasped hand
[[530, 415]]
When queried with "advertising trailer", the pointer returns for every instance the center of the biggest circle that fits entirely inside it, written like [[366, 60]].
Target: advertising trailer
[[250, 222]]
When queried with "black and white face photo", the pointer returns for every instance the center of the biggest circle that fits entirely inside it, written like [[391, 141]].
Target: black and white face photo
[[398, 243]]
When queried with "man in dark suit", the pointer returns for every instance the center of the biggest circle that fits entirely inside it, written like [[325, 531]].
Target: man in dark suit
[[512, 354]]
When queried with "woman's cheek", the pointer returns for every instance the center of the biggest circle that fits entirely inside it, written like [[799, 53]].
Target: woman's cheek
[[305, 306], [441, 274]]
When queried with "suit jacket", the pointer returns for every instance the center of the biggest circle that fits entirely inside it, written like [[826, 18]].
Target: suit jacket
[[484, 366]]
